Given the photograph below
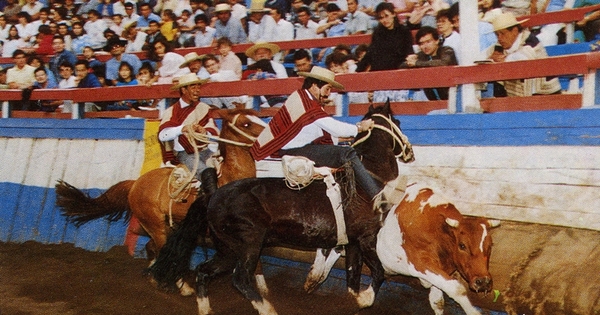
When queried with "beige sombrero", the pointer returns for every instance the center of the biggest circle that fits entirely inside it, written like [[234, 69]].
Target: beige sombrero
[[187, 79], [323, 75], [258, 6], [505, 20], [193, 56], [252, 50], [222, 7]]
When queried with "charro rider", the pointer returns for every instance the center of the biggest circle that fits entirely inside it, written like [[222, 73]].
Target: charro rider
[[188, 115], [302, 128]]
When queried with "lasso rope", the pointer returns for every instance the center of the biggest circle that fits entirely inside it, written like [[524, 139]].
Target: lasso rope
[[395, 132]]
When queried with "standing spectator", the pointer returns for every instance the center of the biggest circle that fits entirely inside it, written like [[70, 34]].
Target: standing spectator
[[261, 51], [135, 38], [13, 42], [431, 55], [33, 8], [86, 6], [116, 47], [21, 75], [357, 22], [95, 28], [146, 16], [169, 29], [306, 28], [390, 44], [261, 26], [518, 43], [205, 35], [228, 59], [229, 27], [448, 36], [284, 31], [79, 39], [130, 15], [10, 11], [60, 56]]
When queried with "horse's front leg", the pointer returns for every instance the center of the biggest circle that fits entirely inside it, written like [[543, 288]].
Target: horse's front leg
[[354, 263], [369, 255], [205, 272], [243, 280]]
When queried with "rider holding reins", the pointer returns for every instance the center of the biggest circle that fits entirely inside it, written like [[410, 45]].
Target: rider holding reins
[[188, 115], [301, 127]]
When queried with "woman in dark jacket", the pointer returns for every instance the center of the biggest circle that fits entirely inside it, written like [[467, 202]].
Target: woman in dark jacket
[[390, 44]]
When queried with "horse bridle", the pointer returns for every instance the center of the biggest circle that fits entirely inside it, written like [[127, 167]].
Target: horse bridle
[[206, 138], [393, 131]]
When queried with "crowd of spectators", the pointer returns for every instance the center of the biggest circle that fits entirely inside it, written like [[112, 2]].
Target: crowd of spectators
[[64, 29]]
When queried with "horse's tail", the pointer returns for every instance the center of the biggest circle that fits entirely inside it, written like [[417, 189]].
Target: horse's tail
[[173, 261], [80, 208]]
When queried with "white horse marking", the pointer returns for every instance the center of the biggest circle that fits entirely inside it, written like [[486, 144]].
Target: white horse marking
[[261, 285], [264, 307], [203, 306], [320, 269], [364, 298]]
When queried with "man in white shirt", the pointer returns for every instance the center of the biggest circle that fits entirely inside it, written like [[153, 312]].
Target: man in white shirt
[[130, 15], [95, 27], [32, 7], [284, 31], [261, 27], [306, 28], [205, 35], [357, 22]]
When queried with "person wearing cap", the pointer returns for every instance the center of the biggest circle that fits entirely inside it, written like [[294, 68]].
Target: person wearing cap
[[260, 51], [517, 43], [302, 128], [261, 26], [187, 115], [229, 27], [116, 47]]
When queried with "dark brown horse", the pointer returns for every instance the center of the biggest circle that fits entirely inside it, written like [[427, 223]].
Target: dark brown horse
[[147, 198], [246, 215]]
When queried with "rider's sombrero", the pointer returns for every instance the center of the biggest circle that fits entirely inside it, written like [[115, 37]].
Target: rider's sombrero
[[187, 79], [506, 20], [193, 56], [274, 48], [323, 75]]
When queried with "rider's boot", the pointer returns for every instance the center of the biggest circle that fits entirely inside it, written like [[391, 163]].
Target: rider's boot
[[209, 178]]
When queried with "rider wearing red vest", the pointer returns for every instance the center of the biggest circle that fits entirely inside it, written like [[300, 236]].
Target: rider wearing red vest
[[301, 127]]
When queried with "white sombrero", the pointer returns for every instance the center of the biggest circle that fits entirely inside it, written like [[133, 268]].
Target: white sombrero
[[193, 56], [252, 50], [506, 20], [323, 75], [222, 7], [187, 79]]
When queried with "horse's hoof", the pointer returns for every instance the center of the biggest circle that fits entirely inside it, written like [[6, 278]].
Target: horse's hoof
[[364, 298], [184, 288]]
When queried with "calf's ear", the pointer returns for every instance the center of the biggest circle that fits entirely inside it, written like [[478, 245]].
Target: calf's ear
[[451, 222], [494, 223]]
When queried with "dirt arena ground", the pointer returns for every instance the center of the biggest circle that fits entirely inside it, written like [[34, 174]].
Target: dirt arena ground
[[38, 279]]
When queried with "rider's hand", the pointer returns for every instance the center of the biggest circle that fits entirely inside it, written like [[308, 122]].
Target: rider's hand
[[365, 125]]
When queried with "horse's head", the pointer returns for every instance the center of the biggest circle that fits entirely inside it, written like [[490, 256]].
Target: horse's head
[[385, 123], [241, 125]]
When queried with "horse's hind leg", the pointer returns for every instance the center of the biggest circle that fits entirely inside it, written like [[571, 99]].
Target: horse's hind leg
[[243, 280], [210, 269]]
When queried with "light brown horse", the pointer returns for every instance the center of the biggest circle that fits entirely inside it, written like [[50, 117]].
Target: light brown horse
[[148, 197]]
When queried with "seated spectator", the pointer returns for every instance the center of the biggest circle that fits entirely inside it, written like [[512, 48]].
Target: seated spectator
[[590, 24], [306, 28], [228, 60], [106, 10], [169, 28], [185, 25], [217, 74], [229, 27], [489, 9], [20, 77], [95, 28], [517, 43], [332, 25], [11, 10], [36, 62], [63, 30], [85, 76], [60, 55], [145, 77], [3, 82], [261, 51], [130, 13], [79, 39], [302, 61], [42, 82], [116, 47], [32, 8], [360, 51], [135, 38], [424, 12], [487, 37], [192, 62], [205, 35], [43, 42], [26, 29], [167, 62], [126, 78], [357, 22], [431, 55], [42, 20], [86, 6], [116, 24], [89, 55], [261, 26], [4, 26], [262, 70], [339, 63], [153, 35], [13, 42], [146, 15], [68, 81], [448, 36]]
